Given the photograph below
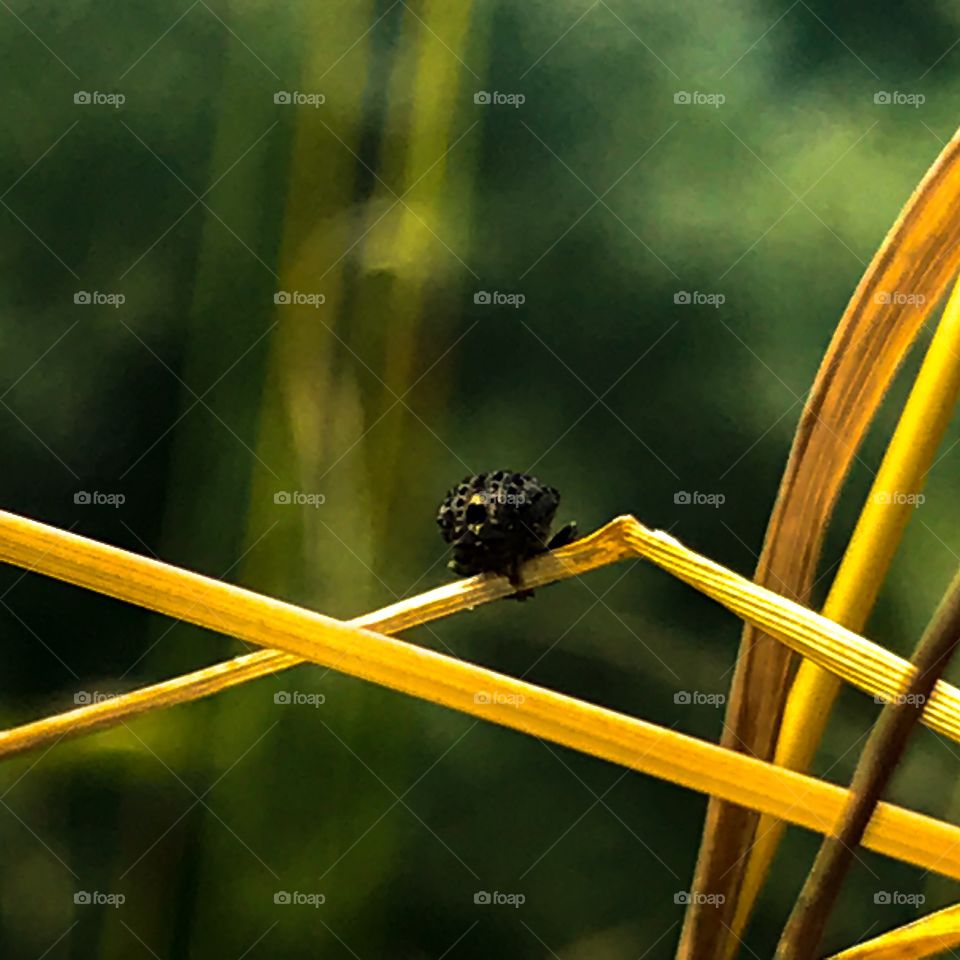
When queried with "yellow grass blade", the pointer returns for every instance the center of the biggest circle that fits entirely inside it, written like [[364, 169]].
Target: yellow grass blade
[[196, 599], [918, 257], [854, 591], [642, 746], [923, 938], [302, 634]]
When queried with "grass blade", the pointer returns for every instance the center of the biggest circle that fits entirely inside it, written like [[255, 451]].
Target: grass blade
[[224, 608], [925, 937], [881, 755], [919, 256], [864, 566], [630, 742]]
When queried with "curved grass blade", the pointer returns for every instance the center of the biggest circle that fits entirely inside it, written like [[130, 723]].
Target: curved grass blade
[[919, 256], [854, 591]]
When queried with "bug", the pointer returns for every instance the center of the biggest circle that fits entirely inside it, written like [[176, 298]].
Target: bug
[[495, 521]]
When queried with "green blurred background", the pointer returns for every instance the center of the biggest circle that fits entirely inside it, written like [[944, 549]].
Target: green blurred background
[[372, 163]]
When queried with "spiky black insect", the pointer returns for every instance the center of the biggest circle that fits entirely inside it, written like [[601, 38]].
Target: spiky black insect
[[495, 521]]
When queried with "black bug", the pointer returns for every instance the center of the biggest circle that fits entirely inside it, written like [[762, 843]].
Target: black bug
[[495, 521]]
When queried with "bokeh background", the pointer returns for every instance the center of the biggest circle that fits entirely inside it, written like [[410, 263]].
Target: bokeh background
[[246, 249]]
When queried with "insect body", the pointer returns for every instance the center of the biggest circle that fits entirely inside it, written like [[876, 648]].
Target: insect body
[[495, 521]]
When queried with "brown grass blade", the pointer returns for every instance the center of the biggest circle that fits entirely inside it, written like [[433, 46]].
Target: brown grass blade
[[878, 761], [866, 561], [919, 256]]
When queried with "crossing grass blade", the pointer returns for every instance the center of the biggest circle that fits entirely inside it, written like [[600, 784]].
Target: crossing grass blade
[[258, 619], [477, 691]]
